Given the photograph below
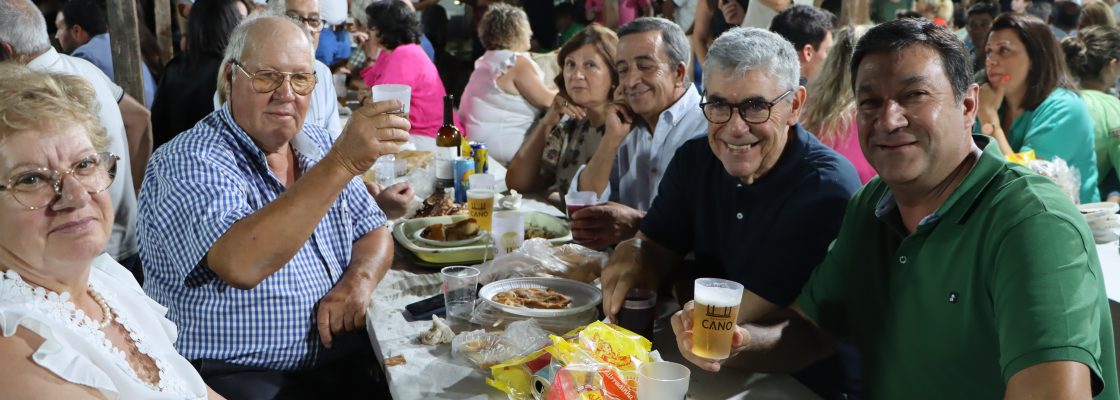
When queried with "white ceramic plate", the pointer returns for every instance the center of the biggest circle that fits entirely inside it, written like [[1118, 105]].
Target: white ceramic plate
[[583, 296], [443, 243]]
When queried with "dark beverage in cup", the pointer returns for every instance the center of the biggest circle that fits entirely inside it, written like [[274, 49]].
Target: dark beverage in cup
[[572, 208], [638, 312]]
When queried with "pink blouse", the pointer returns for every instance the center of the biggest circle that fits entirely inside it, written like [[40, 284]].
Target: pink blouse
[[408, 65], [850, 149], [627, 9]]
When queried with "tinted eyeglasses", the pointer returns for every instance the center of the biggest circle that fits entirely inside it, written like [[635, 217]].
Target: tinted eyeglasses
[[751, 111], [38, 188], [267, 80]]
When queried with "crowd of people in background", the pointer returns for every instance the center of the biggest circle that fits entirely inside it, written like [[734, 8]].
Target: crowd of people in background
[[764, 141]]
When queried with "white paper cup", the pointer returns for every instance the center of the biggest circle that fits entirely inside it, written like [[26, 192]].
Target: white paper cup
[[663, 380], [508, 231], [393, 92]]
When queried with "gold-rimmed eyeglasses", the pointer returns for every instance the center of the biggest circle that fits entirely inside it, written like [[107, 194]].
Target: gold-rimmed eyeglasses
[[38, 188], [751, 111], [267, 80]]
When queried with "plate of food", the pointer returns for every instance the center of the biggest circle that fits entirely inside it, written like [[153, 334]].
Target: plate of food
[[537, 224], [540, 296], [454, 234]]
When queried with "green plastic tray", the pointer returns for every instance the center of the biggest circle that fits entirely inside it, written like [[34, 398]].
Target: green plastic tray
[[472, 253]]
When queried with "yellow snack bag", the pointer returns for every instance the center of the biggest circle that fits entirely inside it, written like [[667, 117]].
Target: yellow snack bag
[[616, 346], [515, 377], [1022, 158]]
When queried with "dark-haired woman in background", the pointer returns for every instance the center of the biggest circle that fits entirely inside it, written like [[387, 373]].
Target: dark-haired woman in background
[[1093, 57], [1029, 103], [394, 45], [569, 132], [187, 88]]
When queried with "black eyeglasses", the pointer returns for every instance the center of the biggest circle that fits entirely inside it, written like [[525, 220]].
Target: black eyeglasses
[[752, 111], [267, 80], [38, 188], [314, 24]]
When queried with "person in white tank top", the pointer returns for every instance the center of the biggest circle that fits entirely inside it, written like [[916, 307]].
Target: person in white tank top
[[506, 91]]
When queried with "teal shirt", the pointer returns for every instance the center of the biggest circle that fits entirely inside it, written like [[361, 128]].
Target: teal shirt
[[1002, 277], [1060, 127]]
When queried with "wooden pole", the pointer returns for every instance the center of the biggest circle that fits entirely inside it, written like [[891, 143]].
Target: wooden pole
[[125, 41], [164, 14], [855, 12]]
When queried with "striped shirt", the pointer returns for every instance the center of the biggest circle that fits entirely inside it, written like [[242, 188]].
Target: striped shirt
[[195, 188]]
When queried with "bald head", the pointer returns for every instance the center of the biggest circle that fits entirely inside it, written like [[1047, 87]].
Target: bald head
[[275, 34]]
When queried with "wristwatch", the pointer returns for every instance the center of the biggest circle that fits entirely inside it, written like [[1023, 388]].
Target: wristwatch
[[988, 128]]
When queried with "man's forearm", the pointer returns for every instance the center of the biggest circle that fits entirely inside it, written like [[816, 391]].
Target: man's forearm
[[787, 345], [260, 244], [138, 131], [597, 175], [370, 258]]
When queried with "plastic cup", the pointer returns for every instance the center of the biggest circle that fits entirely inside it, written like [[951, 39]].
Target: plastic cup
[[638, 312], [460, 289], [482, 181], [386, 169], [578, 201], [714, 317], [508, 231], [394, 92], [663, 380], [480, 206]]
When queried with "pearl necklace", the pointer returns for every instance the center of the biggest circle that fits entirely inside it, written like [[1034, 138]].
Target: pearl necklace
[[105, 311]]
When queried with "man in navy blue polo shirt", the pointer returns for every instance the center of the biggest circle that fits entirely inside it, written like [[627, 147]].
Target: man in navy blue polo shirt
[[757, 201]]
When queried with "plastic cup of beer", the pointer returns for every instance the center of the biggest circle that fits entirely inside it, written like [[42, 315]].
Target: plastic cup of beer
[[403, 93], [480, 206], [714, 317], [663, 380], [508, 232]]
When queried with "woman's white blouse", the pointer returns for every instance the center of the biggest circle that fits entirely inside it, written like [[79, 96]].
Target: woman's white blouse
[[77, 351]]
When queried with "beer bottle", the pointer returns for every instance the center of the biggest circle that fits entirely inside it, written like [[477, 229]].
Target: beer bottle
[[448, 146]]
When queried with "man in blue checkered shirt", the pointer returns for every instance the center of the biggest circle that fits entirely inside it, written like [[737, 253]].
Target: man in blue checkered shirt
[[257, 236]]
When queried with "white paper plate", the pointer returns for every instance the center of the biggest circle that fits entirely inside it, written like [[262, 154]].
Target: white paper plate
[[1093, 211], [444, 243], [583, 296]]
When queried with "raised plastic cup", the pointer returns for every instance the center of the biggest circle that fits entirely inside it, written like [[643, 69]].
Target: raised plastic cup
[[403, 93]]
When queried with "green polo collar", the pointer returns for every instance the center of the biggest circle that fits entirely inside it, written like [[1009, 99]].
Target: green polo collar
[[963, 200]]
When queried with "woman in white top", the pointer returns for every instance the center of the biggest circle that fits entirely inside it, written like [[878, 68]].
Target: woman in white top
[[506, 89], [75, 324]]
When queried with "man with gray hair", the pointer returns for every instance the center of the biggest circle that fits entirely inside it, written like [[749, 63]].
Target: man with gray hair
[[257, 235], [24, 39], [757, 201], [324, 102], [656, 111]]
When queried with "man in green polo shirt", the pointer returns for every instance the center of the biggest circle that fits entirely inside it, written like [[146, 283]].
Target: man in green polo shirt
[[957, 274]]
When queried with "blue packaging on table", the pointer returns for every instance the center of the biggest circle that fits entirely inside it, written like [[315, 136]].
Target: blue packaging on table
[[464, 168]]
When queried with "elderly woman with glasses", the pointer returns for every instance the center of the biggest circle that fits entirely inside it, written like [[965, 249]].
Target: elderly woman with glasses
[[75, 323]]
